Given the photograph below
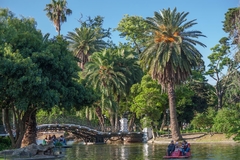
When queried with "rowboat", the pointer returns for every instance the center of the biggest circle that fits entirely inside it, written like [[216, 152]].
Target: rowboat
[[178, 155]]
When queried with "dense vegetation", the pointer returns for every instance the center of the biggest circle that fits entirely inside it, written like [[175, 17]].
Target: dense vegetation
[[157, 78]]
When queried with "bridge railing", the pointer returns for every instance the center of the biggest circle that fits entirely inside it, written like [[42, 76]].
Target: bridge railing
[[77, 121]]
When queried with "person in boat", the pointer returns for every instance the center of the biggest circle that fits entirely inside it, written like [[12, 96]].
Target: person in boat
[[49, 138], [62, 140], [45, 140], [54, 139], [171, 148], [176, 147], [185, 148]]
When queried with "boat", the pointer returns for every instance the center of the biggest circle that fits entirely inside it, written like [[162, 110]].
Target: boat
[[177, 154]]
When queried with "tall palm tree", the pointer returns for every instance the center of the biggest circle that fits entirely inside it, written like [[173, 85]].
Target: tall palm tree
[[126, 62], [102, 75], [171, 54], [84, 41], [56, 12]]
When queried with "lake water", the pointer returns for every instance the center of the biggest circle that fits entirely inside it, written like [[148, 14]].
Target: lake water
[[144, 151]]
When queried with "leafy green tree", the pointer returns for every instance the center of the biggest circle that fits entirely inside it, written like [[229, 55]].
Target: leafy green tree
[[231, 26], [227, 121], [34, 73], [204, 120], [147, 102], [202, 91], [171, 55], [231, 23], [133, 28], [220, 63], [57, 11]]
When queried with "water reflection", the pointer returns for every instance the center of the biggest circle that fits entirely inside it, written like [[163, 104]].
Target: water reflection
[[149, 152]]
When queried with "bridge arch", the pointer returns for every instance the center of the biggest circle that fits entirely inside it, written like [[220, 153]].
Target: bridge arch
[[86, 133], [91, 135]]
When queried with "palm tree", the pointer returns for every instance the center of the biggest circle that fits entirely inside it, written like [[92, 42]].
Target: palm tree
[[102, 75], [56, 12], [125, 61], [84, 41], [170, 54]]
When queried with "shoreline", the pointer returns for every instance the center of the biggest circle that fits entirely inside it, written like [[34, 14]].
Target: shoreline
[[196, 138]]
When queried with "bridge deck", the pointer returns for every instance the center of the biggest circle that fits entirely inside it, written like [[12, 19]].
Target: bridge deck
[[89, 134]]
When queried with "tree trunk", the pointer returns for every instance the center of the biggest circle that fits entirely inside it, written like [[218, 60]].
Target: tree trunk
[[163, 121], [116, 121], [98, 111], [220, 97], [111, 119], [173, 114], [131, 122], [31, 130], [153, 133], [16, 138]]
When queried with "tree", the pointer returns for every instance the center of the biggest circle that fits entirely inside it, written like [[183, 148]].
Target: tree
[[231, 24], [133, 29], [88, 39], [101, 74], [34, 73], [85, 41], [220, 63], [171, 55], [57, 12], [147, 103]]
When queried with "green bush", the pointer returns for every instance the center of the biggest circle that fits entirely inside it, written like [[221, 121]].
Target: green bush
[[5, 143]]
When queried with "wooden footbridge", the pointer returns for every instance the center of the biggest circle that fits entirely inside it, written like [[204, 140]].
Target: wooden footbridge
[[92, 135]]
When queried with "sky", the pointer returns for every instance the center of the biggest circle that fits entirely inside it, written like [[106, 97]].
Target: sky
[[209, 15]]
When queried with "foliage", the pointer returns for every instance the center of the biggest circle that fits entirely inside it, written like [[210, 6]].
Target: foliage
[[149, 101], [220, 63], [133, 29], [204, 120], [112, 72], [88, 38], [227, 121], [36, 72], [5, 143], [202, 90], [184, 103], [170, 54], [231, 23], [96, 23], [172, 47], [56, 12]]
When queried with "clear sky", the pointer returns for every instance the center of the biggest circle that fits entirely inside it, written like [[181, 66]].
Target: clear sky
[[208, 13]]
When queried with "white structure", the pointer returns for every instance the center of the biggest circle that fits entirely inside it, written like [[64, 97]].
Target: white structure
[[123, 125], [147, 134]]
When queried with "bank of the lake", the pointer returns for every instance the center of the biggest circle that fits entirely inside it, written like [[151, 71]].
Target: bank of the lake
[[197, 138]]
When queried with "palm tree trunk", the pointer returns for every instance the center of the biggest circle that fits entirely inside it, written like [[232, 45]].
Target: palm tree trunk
[[173, 113], [98, 111], [116, 121], [111, 119]]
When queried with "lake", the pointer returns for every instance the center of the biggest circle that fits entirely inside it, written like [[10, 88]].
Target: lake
[[144, 151]]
